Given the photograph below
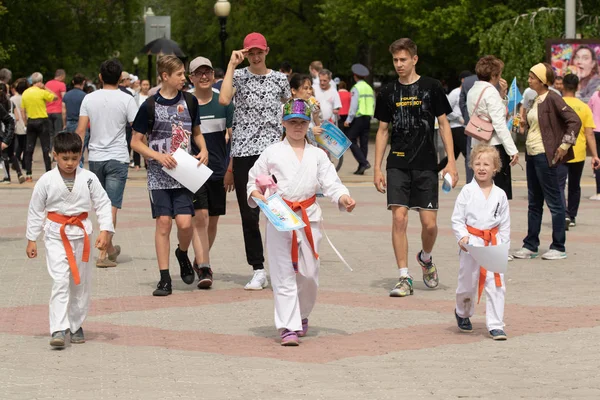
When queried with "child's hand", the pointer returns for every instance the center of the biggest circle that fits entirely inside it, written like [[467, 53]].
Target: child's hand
[[317, 130], [167, 161], [31, 249], [102, 240], [463, 242], [347, 202], [259, 195]]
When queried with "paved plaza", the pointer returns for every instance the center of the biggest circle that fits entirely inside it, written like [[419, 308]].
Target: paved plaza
[[362, 344]]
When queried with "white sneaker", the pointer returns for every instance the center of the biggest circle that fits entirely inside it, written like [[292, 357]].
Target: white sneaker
[[595, 197], [554, 255], [510, 257], [258, 281], [524, 253]]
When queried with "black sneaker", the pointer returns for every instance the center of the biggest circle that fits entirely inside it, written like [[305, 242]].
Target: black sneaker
[[78, 337], [163, 289], [185, 267], [573, 223], [205, 276], [464, 324], [498, 334]]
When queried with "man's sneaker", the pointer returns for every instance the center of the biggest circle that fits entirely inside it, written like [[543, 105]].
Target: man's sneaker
[[572, 223], [58, 339], [163, 289], [289, 338], [21, 179], [498, 334], [304, 330], [511, 257], [258, 281], [78, 337], [185, 267], [430, 275], [524, 253], [464, 324], [205, 277], [403, 288], [5, 181], [113, 257], [595, 197], [553, 254], [567, 223], [28, 178]]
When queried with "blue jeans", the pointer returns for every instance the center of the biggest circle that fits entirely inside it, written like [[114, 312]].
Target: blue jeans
[[112, 175], [72, 127], [542, 184]]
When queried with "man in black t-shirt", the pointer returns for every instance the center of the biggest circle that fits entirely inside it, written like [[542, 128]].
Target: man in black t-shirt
[[411, 104]]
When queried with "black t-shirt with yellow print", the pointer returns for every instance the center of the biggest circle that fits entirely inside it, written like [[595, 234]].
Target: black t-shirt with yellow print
[[412, 109]]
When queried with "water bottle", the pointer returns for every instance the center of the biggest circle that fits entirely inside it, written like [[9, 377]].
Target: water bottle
[[447, 185]]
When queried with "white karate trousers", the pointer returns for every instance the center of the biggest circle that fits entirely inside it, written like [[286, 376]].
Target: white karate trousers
[[69, 303], [294, 294], [466, 293]]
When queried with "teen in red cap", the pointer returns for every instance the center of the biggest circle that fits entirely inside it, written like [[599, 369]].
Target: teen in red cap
[[258, 92]]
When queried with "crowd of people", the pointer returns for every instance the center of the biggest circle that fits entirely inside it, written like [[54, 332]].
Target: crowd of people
[[255, 128]]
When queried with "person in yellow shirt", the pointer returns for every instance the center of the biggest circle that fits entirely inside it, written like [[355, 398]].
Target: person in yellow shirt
[[574, 169], [33, 103]]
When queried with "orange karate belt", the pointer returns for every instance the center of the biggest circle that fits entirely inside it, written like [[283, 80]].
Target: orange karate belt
[[302, 205], [489, 237], [77, 221]]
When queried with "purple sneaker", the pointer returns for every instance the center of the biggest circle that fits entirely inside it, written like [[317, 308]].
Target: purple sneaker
[[304, 330], [289, 338]]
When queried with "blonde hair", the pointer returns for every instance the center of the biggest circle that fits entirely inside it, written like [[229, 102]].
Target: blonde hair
[[168, 64], [486, 149]]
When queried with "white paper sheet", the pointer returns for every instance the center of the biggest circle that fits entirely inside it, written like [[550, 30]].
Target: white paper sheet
[[188, 172], [492, 258]]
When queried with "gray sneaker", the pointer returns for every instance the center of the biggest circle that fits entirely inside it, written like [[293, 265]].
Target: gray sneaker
[[554, 255], [78, 337], [524, 253], [403, 288], [58, 339]]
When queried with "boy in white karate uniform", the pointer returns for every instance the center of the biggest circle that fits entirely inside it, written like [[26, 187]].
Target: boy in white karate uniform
[[299, 169], [59, 206], [481, 217]]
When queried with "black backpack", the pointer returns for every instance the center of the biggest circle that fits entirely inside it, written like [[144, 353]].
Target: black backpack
[[190, 100]]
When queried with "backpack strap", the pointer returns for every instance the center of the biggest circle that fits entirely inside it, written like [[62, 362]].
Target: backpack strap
[[192, 105], [150, 107]]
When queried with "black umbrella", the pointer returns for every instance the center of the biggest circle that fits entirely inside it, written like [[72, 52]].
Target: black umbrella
[[163, 46]]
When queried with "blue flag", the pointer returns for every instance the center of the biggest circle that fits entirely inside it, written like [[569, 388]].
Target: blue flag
[[514, 96]]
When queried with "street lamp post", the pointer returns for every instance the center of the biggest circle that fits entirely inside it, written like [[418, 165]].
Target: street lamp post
[[149, 13], [222, 9], [136, 61]]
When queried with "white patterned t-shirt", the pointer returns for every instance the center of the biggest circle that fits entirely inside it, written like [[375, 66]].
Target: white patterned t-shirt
[[257, 117]]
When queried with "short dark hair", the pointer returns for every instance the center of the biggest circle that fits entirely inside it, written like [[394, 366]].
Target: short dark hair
[[110, 70], [558, 78], [487, 67], [21, 85], [67, 142], [404, 44], [219, 74], [285, 67], [78, 79], [570, 82]]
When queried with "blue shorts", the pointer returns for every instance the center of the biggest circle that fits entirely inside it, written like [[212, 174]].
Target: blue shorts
[[112, 175], [171, 202]]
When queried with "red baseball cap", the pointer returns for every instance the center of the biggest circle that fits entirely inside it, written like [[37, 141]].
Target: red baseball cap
[[255, 40]]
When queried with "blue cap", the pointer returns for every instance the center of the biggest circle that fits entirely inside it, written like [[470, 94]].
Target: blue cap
[[296, 108], [360, 70]]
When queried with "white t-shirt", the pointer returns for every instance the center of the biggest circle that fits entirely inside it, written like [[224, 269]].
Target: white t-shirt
[[329, 101], [109, 112]]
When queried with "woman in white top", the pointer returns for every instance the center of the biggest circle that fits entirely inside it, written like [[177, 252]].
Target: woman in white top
[[489, 71]]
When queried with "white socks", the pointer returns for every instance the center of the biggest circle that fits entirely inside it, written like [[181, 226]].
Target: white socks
[[403, 272]]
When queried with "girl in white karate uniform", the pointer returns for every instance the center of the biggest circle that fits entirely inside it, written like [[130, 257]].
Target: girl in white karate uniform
[[59, 206], [299, 169], [481, 217]]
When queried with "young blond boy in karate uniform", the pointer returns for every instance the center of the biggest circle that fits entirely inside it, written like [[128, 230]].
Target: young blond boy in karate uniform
[[59, 206], [481, 217], [299, 169]]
